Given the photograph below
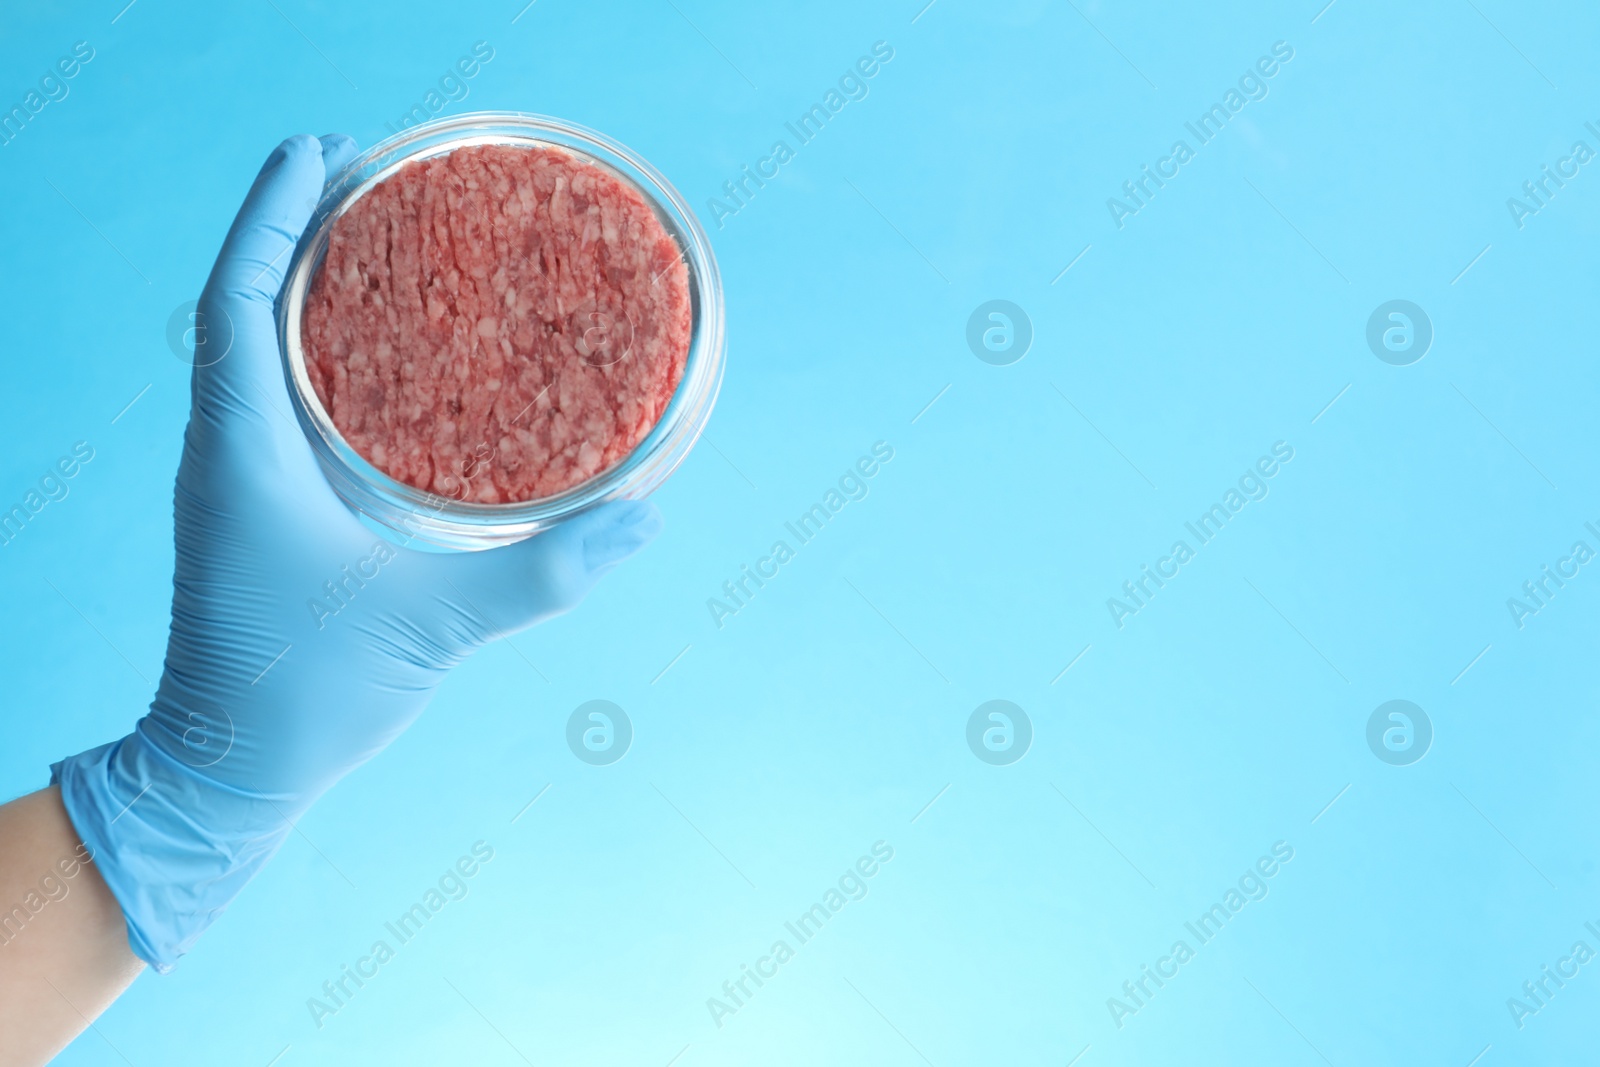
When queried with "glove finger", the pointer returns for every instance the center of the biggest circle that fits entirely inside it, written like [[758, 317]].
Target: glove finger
[[337, 150], [238, 368], [507, 589]]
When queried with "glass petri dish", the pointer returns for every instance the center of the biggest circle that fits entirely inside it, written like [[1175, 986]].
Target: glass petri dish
[[412, 513]]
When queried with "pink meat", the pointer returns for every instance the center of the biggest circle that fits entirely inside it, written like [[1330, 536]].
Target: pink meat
[[498, 324]]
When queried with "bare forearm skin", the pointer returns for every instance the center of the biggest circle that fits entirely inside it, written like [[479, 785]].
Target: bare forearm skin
[[64, 953]]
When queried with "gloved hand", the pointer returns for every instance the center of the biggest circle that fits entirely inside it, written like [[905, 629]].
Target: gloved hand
[[266, 700]]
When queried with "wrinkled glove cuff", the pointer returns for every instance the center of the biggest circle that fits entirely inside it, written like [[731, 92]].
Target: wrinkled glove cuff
[[139, 811]]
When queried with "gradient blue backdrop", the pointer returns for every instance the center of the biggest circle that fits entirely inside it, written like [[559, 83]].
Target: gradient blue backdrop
[[825, 716]]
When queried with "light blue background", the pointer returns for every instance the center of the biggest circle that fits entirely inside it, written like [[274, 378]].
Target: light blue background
[[1221, 719]]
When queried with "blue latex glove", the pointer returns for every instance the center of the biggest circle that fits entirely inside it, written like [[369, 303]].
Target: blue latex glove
[[265, 701]]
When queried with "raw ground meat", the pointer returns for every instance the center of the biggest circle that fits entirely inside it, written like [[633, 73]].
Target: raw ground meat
[[497, 324]]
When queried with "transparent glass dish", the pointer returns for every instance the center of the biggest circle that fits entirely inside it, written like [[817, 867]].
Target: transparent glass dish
[[410, 512]]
